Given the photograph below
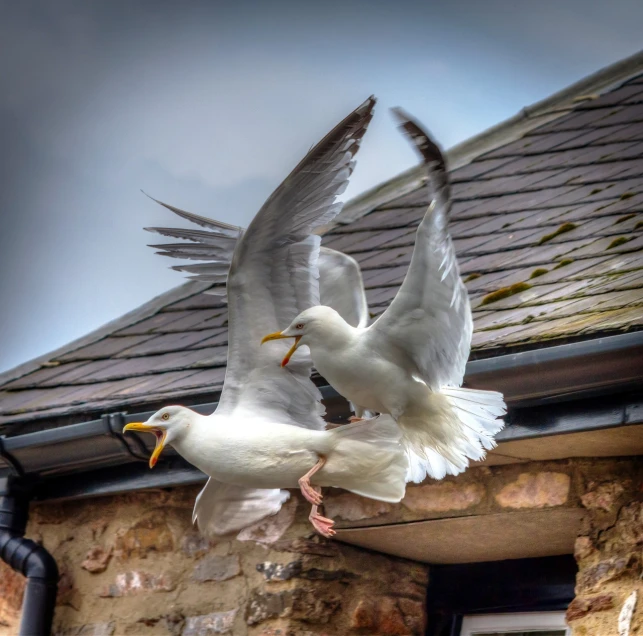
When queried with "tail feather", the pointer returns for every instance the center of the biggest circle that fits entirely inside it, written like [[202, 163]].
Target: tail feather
[[454, 426], [369, 459]]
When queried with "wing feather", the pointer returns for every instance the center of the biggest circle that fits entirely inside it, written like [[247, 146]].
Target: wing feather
[[222, 508], [274, 276], [430, 317]]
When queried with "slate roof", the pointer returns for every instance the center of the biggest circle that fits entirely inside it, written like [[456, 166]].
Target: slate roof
[[549, 234]]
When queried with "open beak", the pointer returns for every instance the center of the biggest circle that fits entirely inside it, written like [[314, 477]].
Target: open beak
[[278, 335], [160, 434]]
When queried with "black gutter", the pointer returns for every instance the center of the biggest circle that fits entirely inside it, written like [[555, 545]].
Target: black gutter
[[111, 462], [562, 372], [117, 470], [28, 558]]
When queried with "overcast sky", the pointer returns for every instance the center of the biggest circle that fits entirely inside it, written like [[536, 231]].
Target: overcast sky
[[208, 105]]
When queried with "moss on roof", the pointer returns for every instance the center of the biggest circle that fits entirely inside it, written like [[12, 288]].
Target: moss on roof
[[565, 227], [505, 292], [618, 241]]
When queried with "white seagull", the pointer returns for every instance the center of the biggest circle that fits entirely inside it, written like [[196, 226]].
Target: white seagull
[[410, 362], [267, 432]]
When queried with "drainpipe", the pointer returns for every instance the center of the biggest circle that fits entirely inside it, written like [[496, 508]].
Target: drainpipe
[[27, 557]]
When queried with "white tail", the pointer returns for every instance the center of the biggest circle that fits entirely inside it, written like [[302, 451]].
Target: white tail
[[369, 459], [454, 426]]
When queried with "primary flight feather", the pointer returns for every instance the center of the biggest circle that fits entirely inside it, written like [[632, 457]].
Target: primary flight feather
[[410, 362]]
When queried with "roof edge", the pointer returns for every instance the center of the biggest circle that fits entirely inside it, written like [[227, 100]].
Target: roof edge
[[136, 315], [506, 131]]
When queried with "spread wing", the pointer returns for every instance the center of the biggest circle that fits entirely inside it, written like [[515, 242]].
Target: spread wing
[[430, 317], [214, 246], [340, 278], [223, 508], [274, 276]]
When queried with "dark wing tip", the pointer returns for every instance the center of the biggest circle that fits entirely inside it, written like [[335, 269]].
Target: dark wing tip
[[354, 126], [427, 147], [349, 131]]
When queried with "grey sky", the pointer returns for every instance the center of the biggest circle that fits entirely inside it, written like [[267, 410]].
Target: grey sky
[[208, 105]]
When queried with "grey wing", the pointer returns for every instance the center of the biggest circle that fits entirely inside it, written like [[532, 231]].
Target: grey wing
[[221, 508], [430, 317], [340, 278], [274, 276], [214, 246]]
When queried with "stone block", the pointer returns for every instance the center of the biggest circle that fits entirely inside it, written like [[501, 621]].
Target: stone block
[[97, 559], [580, 607], [380, 615], [195, 544], [217, 568], [354, 508], [315, 605], [535, 490], [602, 496], [150, 534], [594, 577], [137, 582], [443, 497], [206, 624], [583, 547], [265, 605], [279, 571]]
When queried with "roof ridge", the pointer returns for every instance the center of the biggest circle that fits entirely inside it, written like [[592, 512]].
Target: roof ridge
[[541, 112], [131, 317]]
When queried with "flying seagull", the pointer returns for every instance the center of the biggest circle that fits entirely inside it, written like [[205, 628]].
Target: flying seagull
[[410, 362], [267, 432]]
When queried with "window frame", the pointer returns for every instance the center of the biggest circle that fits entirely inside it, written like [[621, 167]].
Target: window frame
[[543, 584], [513, 621]]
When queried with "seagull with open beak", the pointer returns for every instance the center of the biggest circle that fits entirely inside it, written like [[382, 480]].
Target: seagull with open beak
[[162, 432]]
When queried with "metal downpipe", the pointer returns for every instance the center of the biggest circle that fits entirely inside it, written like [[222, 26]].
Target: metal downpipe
[[28, 558]]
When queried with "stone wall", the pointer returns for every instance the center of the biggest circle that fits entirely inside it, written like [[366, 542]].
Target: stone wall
[[609, 552], [133, 564]]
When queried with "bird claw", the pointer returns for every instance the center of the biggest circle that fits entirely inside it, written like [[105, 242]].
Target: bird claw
[[323, 525], [311, 495], [354, 418]]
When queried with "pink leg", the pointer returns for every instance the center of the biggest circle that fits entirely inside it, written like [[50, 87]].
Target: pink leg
[[323, 525], [354, 418], [310, 494]]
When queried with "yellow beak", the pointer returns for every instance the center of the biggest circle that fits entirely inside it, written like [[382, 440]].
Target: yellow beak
[[278, 336], [160, 434]]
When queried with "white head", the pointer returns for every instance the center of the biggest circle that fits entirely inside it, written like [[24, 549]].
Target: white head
[[169, 424], [317, 325]]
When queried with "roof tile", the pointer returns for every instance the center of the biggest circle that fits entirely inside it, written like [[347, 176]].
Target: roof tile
[[509, 206]]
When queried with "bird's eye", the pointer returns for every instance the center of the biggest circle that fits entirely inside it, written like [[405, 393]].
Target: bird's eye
[[165, 416], [299, 326]]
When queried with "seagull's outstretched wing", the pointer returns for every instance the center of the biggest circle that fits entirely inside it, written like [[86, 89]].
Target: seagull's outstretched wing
[[274, 276], [340, 278], [221, 508], [430, 317]]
